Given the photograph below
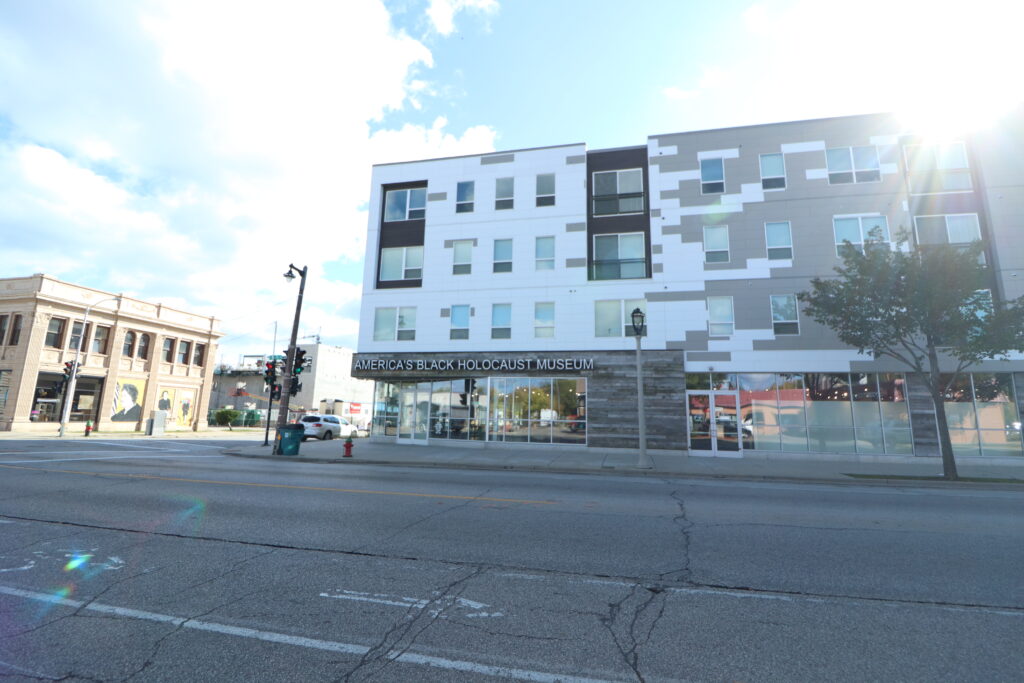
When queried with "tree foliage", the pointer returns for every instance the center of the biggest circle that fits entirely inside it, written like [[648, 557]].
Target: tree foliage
[[930, 309]]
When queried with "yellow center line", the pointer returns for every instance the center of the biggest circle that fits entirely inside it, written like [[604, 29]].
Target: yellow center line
[[283, 486]]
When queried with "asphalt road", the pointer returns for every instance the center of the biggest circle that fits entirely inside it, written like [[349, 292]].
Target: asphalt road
[[166, 560]]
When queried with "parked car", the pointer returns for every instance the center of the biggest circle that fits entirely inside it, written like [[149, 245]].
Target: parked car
[[326, 427]]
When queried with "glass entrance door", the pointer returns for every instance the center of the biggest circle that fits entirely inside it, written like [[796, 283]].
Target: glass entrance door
[[713, 423], [413, 412]]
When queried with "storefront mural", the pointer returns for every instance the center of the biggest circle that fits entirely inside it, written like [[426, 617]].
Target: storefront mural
[[183, 407], [128, 397]]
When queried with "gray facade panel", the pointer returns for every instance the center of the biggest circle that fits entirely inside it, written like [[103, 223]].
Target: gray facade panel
[[575, 227], [576, 159], [723, 356], [498, 159], [575, 263], [437, 196]]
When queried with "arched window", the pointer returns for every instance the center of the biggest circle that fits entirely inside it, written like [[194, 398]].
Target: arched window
[[129, 344], [143, 346]]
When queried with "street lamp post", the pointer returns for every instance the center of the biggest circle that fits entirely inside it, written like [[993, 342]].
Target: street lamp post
[[643, 460], [289, 370], [69, 394]]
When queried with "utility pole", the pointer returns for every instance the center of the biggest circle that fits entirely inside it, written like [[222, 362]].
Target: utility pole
[[69, 396], [289, 372]]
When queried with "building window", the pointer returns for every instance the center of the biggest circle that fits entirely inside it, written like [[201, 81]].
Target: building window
[[3, 328], [949, 229], [546, 189], [716, 244], [860, 230], [502, 256], [773, 172], [15, 330], [100, 339], [168, 350], [460, 322], [619, 257], [779, 239], [128, 350], [144, 346], [938, 168], [390, 324], [401, 263], [183, 352], [853, 164], [614, 318], [712, 176], [464, 193], [544, 253], [785, 317], [618, 192], [504, 190], [199, 355], [501, 321], [544, 319], [405, 205], [462, 257], [721, 322], [79, 340], [55, 333]]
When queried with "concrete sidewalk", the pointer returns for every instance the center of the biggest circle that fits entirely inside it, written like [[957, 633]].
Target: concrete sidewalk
[[758, 465]]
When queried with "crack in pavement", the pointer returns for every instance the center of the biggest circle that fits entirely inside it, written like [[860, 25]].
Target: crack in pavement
[[633, 638], [684, 573], [663, 580], [418, 617], [235, 567], [149, 661], [425, 518]]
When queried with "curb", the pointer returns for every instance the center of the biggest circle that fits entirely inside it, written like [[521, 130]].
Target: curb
[[632, 472]]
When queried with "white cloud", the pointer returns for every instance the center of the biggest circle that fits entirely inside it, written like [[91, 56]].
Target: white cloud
[[442, 12], [188, 151]]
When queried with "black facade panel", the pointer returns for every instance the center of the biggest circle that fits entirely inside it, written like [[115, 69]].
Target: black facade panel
[[613, 160], [399, 234]]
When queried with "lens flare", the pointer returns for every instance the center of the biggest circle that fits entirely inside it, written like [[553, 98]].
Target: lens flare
[[77, 561]]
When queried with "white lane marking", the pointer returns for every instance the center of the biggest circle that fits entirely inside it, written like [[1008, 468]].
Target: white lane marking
[[109, 457], [200, 445], [128, 445], [31, 563], [299, 641], [417, 603]]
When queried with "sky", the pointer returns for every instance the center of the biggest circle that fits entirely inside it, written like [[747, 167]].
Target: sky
[[186, 152]]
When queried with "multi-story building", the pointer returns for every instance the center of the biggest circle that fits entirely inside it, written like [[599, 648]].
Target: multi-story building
[[499, 287], [135, 358]]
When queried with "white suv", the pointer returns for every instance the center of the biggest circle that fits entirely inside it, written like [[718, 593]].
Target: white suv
[[326, 427]]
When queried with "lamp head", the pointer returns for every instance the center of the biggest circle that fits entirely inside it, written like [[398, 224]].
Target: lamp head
[[289, 275], [638, 320]]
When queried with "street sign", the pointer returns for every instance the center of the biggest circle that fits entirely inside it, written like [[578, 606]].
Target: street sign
[[276, 357]]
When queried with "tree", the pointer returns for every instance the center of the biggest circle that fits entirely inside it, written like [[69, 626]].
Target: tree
[[226, 416], [930, 309]]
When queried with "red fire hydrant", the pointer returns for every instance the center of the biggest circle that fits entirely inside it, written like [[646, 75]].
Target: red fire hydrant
[[88, 427], [348, 448]]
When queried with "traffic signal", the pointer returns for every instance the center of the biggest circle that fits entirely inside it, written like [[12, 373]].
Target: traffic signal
[[69, 370], [275, 392], [296, 386], [270, 374], [300, 361]]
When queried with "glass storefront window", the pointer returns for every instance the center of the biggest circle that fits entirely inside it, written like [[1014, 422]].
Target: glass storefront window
[[723, 381], [829, 412], [698, 381], [385, 409], [759, 410], [792, 420]]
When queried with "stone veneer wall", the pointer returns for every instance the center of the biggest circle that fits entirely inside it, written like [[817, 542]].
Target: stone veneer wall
[[611, 390]]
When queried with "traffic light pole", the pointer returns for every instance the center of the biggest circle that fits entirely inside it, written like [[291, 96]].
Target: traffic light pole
[[270, 403], [69, 392], [289, 371]]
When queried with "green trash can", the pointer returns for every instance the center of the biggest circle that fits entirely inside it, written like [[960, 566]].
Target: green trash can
[[288, 439]]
